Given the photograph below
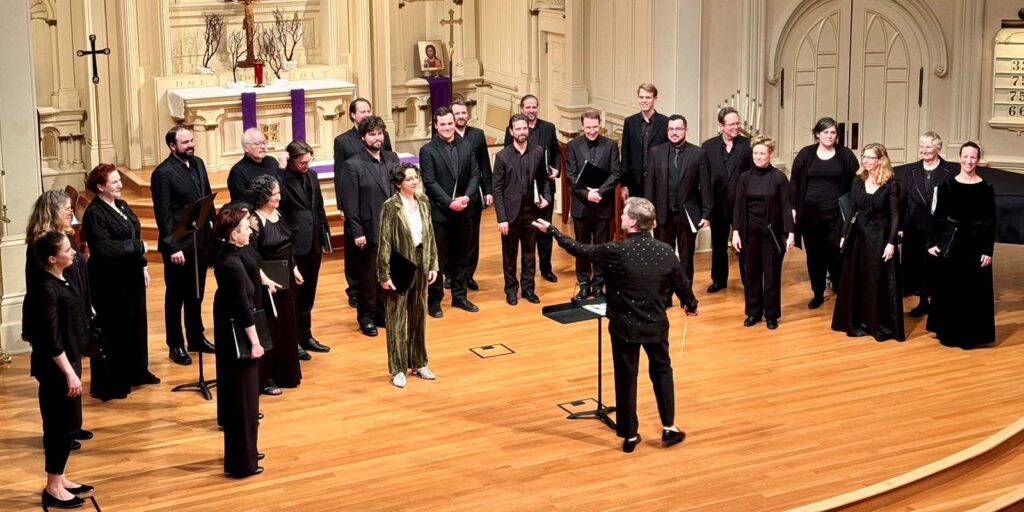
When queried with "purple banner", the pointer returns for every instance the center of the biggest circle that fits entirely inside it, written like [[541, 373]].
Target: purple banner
[[248, 110], [299, 114], [440, 92]]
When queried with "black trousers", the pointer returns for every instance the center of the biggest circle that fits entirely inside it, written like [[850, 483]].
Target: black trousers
[[762, 286], [721, 233], [59, 413], [917, 266], [238, 407], [370, 306], [677, 233], [544, 241], [821, 243], [475, 213], [590, 229], [452, 238], [351, 279], [521, 237], [309, 267], [626, 358], [180, 293]]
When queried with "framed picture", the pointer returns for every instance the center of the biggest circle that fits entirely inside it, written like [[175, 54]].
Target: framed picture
[[430, 57]]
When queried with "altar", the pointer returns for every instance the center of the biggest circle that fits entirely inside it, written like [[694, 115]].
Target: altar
[[215, 114]]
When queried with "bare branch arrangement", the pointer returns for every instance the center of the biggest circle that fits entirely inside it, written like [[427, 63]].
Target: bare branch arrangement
[[289, 33], [268, 50], [236, 50], [214, 35]]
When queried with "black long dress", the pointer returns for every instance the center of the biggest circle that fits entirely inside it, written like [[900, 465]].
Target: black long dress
[[963, 306], [238, 392], [116, 259], [870, 301], [280, 367]]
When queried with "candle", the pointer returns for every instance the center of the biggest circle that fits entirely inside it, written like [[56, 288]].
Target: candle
[[258, 70]]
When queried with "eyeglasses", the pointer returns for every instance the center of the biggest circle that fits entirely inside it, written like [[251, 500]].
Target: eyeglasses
[[868, 157], [262, 143]]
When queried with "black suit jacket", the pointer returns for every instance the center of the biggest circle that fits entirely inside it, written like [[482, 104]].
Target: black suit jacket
[[542, 134], [478, 140], [172, 189], [695, 183], [511, 187], [916, 192], [725, 173], [365, 187], [303, 212], [606, 157], [633, 148], [440, 180], [348, 145]]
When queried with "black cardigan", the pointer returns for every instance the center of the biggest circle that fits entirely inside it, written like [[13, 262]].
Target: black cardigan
[[778, 204]]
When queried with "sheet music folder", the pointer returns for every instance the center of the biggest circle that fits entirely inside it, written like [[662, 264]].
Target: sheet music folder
[[591, 176]]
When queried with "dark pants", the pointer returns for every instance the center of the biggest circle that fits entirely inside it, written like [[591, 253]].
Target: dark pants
[[475, 213], [452, 239], [821, 243], [762, 283], [626, 357], [309, 267], [677, 233], [917, 266], [238, 406], [351, 279], [370, 307], [544, 241], [590, 230], [59, 413], [521, 237], [721, 232], [180, 294]]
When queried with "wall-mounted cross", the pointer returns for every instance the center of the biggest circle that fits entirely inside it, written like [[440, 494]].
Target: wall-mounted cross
[[93, 52], [451, 22]]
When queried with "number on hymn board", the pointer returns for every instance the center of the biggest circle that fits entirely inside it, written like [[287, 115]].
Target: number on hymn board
[[1017, 65], [1015, 80], [1015, 111]]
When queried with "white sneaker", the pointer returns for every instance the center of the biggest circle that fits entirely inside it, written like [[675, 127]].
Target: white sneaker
[[425, 373], [399, 380]]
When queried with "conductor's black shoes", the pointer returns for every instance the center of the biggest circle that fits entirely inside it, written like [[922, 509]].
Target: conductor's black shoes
[[629, 445], [671, 437]]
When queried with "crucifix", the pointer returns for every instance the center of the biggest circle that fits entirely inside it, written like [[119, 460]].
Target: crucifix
[[93, 52], [451, 22], [249, 25]]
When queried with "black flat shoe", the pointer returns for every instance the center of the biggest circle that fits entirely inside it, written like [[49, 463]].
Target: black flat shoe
[[531, 297], [179, 356], [303, 355], [465, 305], [259, 469], [81, 491], [472, 284], [772, 324], [511, 300], [816, 303], [671, 437], [751, 320], [50, 501], [75, 445], [202, 345], [83, 435], [434, 310], [259, 416], [260, 456], [549, 276], [628, 446], [315, 346], [715, 288]]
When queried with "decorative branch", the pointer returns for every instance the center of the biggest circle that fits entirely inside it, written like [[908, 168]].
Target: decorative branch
[[236, 50], [289, 33], [214, 35], [268, 51]]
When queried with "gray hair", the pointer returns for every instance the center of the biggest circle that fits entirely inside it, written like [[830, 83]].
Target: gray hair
[[248, 133], [933, 138], [642, 211]]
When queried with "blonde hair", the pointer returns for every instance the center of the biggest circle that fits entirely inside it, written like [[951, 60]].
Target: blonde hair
[[885, 172], [763, 140], [640, 210], [45, 215]]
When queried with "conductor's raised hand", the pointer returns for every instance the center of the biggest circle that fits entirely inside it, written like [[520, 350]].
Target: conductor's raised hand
[[431, 276], [541, 225]]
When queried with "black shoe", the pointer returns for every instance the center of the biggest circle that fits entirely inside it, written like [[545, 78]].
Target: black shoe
[[259, 416], [583, 293], [353, 302], [751, 320], [75, 445], [772, 324], [148, 378], [511, 300], [466, 305], [447, 283], [303, 355], [179, 356], [531, 297], [368, 329], [81, 490], [203, 345], [260, 456], [597, 292], [816, 302], [550, 276], [715, 288], [315, 346], [671, 437], [259, 469], [50, 501], [472, 284], [628, 446], [920, 310], [82, 435], [434, 310]]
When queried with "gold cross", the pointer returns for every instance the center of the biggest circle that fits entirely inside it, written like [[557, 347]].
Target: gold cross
[[451, 22]]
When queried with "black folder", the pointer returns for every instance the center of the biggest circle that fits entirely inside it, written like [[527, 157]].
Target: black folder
[[325, 232], [277, 271], [845, 205], [402, 271], [460, 188], [243, 349], [591, 176], [693, 210]]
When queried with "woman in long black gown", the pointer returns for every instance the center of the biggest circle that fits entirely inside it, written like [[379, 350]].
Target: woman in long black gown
[[238, 393], [963, 305], [822, 173], [273, 240], [764, 232], [118, 276], [870, 300]]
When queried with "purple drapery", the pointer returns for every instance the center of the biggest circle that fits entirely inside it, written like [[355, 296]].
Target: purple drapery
[[299, 114], [440, 92], [248, 110]]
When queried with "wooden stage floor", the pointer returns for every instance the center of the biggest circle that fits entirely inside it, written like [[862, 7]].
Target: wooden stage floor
[[775, 419]]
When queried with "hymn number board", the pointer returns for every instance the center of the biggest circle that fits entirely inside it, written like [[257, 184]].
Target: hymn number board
[[1008, 79]]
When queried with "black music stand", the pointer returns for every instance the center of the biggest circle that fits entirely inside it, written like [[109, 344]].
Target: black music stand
[[192, 217], [570, 313]]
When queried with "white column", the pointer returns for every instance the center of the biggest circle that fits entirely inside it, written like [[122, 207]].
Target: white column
[[968, 31], [381, 60], [128, 17]]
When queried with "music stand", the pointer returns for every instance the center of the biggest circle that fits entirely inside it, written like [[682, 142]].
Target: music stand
[[192, 216], [570, 313]]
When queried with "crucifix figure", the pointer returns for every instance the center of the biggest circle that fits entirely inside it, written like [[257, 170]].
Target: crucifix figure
[[249, 25], [93, 53]]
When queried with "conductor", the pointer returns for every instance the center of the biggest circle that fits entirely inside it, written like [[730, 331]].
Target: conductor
[[640, 273]]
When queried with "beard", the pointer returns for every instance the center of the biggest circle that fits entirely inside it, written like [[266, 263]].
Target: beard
[[373, 146], [185, 155]]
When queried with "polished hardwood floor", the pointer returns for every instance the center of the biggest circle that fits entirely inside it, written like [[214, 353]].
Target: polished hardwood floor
[[775, 419]]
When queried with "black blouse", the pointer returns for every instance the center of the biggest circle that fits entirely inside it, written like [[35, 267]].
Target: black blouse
[[235, 292], [63, 324]]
